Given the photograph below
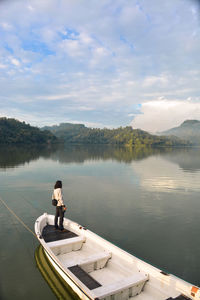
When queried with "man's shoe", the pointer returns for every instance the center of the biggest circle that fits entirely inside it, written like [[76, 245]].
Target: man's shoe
[[63, 230]]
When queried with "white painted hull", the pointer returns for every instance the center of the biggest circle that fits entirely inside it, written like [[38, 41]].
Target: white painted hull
[[67, 279], [121, 275]]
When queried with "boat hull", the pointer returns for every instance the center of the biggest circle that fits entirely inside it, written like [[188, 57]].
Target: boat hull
[[67, 279], [137, 280], [53, 278]]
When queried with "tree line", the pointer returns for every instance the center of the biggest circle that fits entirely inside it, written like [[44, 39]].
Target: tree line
[[79, 134], [13, 131]]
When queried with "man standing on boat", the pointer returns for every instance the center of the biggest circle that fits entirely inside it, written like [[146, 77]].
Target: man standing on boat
[[60, 207]]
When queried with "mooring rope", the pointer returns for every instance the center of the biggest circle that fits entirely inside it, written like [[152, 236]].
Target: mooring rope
[[18, 218]]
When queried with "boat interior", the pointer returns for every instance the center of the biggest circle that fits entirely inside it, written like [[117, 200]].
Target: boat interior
[[95, 266]]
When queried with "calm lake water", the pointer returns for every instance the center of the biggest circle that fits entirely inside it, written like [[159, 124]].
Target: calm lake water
[[146, 202]]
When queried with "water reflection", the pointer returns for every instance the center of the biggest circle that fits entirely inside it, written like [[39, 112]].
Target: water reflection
[[53, 279], [188, 159], [13, 156], [81, 154], [164, 173]]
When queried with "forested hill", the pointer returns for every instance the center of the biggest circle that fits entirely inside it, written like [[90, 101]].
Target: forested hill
[[15, 132], [79, 134], [189, 129]]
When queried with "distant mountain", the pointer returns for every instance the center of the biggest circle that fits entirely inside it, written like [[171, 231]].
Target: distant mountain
[[189, 130], [79, 134], [66, 131], [13, 131]]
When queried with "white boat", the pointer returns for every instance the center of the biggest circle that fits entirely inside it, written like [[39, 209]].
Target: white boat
[[96, 269]]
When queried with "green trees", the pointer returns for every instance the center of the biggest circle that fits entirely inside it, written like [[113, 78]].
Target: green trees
[[15, 132], [127, 136]]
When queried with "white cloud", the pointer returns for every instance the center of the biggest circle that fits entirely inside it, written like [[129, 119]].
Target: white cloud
[[6, 26], [2, 66], [85, 108], [162, 114], [15, 61], [104, 55], [86, 39], [30, 7], [154, 80], [72, 47], [56, 97]]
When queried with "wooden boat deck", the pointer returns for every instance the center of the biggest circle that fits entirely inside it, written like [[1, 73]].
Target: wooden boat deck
[[50, 234]]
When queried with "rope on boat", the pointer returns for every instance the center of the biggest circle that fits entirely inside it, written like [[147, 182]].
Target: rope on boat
[[18, 218]]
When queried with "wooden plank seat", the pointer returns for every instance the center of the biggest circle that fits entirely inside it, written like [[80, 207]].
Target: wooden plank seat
[[67, 245], [93, 262], [123, 289]]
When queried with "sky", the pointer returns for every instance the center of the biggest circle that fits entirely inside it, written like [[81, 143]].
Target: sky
[[100, 63]]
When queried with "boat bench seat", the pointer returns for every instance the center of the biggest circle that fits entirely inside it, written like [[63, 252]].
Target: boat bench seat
[[93, 262], [123, 289], [67, 245]]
